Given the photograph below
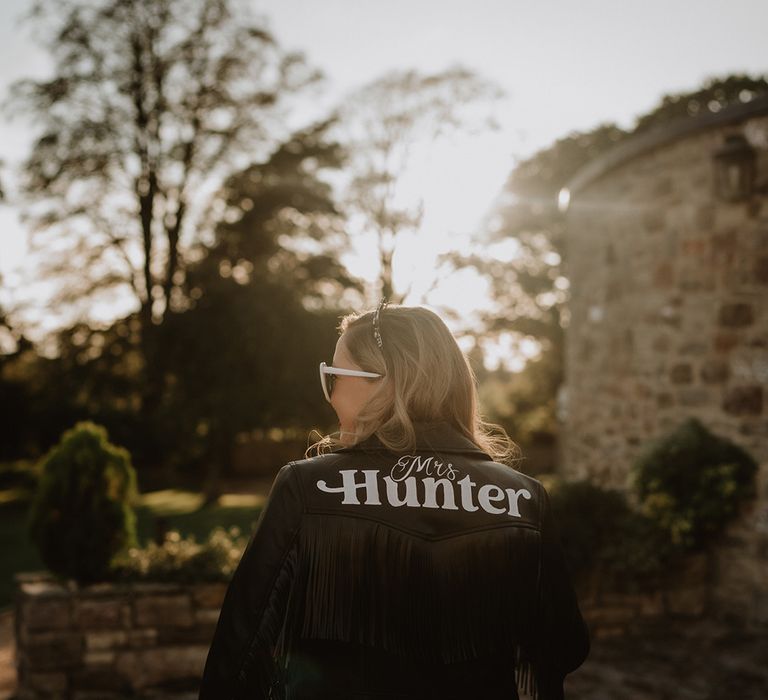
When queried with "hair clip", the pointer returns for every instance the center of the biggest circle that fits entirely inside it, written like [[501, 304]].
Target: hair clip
[[376, 329]]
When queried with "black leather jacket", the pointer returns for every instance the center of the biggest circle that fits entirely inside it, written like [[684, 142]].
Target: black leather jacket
[[371, 574]]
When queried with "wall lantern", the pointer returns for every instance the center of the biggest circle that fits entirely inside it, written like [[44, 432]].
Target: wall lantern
[[735, 169]]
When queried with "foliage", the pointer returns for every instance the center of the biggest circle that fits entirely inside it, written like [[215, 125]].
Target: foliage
[[692, 482], [714, 94], [229, 360], [82, 513], [600, 532], [183, 559], [523, 402], [151, 101], [383, 123]]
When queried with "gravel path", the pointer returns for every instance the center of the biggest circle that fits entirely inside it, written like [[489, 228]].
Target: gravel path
[[675, 660]]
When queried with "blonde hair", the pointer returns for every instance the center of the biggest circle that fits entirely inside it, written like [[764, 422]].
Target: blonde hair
[[426, 378]]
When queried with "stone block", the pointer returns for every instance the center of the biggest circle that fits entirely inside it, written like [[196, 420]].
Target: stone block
[[97, 678], [139, 638], [653, 220], [693, 396], [760, 269], [209, 595], [704, 217], [151, 667], [742, 400], [105, 640], [736, 315], [194, 634], [609, 631], [101, 589], [52, 650], [623, 600], [661, 343], [49, 683], [41, 587], [714, 371], [663, 276], [689, 602], [142, 588], [693, 347], [724, 342], [99, 613], [99, 658], [161, 610], [652, 604], [610, 616], [681, 374], [207, 616], [39, 613]]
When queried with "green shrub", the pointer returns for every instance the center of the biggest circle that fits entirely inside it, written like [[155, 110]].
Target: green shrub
[[183, 559], [82, 513], [600, 532], [692, 482]]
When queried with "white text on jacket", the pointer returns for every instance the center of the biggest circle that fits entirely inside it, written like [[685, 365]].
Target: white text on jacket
[[364, 489]]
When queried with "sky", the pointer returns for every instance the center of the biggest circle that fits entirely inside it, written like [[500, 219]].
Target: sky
[[563, 65]]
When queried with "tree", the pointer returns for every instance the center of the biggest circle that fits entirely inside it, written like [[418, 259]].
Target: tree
[[152, 100], [262, 303], [282, 220], [382, 124], [714, 94]]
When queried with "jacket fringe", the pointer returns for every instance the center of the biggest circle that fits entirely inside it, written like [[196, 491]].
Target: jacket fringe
[[263, 668], [441, 600]]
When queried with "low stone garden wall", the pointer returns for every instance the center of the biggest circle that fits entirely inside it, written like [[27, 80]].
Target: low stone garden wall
[[144, 639], [111, 640], [687, 594]]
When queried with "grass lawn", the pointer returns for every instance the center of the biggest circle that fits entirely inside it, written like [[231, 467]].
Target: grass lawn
[[180, 509]]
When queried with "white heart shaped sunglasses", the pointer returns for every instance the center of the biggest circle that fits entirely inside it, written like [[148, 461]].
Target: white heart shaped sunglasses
[[327, 377]]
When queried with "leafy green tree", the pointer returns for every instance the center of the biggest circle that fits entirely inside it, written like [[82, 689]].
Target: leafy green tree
[[232, 361], [152, 101], [261, 304]]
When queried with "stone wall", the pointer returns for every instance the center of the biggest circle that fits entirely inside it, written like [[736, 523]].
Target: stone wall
[[111, 641], [668, 318], [685, 594], [150, 640]]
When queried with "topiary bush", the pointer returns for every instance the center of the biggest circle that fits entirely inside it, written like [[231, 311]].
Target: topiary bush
[[692, 482], [603, 536], [82, 514]]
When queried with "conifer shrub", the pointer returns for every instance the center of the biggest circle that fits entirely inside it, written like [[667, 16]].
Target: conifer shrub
[[692, 482], [82, 513]]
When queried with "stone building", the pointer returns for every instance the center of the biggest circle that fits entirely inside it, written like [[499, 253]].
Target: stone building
[[667, 255]]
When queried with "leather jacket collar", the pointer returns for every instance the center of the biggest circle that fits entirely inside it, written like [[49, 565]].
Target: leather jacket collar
[[440, 436]]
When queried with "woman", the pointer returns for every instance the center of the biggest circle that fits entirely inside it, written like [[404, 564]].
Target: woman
[[406, 559]]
